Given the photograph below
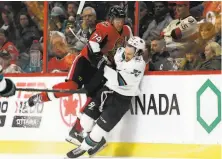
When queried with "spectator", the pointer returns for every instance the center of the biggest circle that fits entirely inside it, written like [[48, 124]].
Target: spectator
[[160, 57], [213, 57], [7, 17], [190, 62], [8, 46], [63, 59], [57, 19], [206, 34], [69, 23], [89, 19], [161, 19], [197, 12], [172, 8], [24, 62], [71, 14], [72, 8], [218, 29], [5, 63], [145, 18], [181, 33], [35, 10], [26, 33], [87, 27]]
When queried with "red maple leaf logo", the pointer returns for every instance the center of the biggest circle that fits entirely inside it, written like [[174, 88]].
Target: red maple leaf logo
[[70, 106]]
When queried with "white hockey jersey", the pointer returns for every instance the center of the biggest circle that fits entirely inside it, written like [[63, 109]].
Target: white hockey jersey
[[126, 78], [188, 27]]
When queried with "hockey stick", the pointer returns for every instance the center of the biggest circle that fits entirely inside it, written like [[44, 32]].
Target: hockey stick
[[77, 37], [81, 5], [88, 45], [80, 91]]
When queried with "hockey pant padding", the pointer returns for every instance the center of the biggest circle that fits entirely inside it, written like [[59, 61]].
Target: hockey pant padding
[[114, 109]]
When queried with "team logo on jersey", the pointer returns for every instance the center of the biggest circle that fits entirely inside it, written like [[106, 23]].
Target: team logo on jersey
[[121, 80], [69, 108], [136, 72]]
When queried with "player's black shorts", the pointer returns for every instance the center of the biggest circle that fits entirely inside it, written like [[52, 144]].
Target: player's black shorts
[[81, 71], [114, 108]]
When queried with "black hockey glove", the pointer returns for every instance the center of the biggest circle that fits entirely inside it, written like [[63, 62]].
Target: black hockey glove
[[101, 63], [97, 81], [9, 90]]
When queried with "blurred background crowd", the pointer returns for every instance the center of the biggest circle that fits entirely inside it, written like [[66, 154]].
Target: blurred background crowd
[[21, 36], [197, 48]]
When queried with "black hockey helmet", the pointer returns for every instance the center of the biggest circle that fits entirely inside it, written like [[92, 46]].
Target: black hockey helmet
[[116, 12]]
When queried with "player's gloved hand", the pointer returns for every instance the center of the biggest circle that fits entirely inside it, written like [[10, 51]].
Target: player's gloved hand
[[98, 79], [102, 63], [35, 99], [9, 87]]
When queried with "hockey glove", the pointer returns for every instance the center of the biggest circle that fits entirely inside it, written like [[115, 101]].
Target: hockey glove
[[98, 80], [35, 99], [9, 88], [102, 63]]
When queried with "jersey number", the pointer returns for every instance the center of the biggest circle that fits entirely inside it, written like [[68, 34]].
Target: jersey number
[[97, 37], [184, 26]]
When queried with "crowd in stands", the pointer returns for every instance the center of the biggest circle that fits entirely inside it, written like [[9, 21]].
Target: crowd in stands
[[182, 35], [179, 35], [21, 30]]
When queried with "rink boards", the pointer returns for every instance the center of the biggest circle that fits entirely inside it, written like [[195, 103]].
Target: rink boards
[[174, 117]]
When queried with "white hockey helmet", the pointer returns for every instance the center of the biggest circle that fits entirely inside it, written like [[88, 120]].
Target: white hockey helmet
[[138, 43]]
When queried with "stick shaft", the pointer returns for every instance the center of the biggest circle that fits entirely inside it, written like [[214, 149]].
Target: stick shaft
[[81, 5], [80, 91]]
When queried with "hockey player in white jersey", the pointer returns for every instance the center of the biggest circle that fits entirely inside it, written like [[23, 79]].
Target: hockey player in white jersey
[[181, 33], [113, 100]]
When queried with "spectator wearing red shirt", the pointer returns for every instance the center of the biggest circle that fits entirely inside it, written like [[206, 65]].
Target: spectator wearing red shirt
[[8, 46], [63, 59]]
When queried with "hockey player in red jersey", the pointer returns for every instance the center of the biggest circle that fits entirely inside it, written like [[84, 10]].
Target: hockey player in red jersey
[[107, 37]]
